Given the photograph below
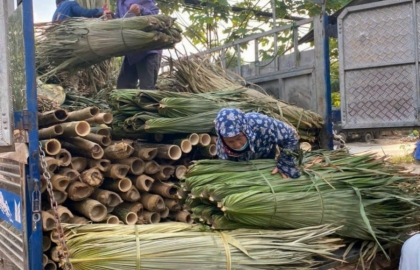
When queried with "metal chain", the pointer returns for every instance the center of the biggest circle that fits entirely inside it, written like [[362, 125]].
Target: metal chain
[[63, 251]]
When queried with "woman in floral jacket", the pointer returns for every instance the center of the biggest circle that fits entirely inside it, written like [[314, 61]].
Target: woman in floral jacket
[[246, 136]]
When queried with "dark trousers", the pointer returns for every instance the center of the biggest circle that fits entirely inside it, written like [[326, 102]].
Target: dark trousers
[[146, 71]]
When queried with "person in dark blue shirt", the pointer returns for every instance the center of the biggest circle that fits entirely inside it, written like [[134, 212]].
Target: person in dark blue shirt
[[70, 9]]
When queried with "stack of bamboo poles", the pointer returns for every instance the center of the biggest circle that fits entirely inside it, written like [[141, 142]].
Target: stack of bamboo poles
[[99, 180]]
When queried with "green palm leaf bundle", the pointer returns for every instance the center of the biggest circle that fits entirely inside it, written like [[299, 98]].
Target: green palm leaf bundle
[[78, 43], [372, 200], [183, 246]]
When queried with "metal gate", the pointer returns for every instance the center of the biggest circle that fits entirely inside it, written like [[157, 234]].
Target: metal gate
[[20, 224], [379, 65]]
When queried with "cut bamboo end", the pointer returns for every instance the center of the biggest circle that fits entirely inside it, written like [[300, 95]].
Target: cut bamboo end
[[78, 191], [185, 146], [54, 236], [165, 190], [151, 167], [183, 216], [64, 214], [79, 220], [48, 221], [205, 139], [106, 197], [73, 129], [52, 164], [72, 174], [174, 152], [194, 138], [119, 150], [164, 213], [50, 265], [152, 202], [151, 217], [111, 219], [128, 217], [51, 147], [126, 207], [117, 171], [64, 158], [101, 118], [91, 209], [44, 259], [84, 147], [109, 209], [50, 132], [136, 165], [78, 163], [143, 182], [46, 243], [92, 177], [54, 254], [102, 165], [120, 185], [83, 114], [213, 150], [52, 117], [99, 139], [172, 204], [165, 172], [60, 182], [180, 171], [60, 196]]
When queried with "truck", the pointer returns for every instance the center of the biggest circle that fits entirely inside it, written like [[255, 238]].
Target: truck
[[379, 85]]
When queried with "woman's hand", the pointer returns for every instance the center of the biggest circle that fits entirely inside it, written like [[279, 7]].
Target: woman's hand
[[276, 170]]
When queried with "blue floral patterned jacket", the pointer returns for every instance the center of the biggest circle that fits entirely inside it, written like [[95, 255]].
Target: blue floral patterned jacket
[[263, 134]]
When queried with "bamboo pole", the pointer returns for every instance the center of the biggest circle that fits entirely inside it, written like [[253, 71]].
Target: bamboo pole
[[64, 214], [165, 172], [117, 171], [54, 254], [151, 167], [144, 153], [48, 221], [182, 216], [213, 140], [60, 182], [112, 219], [54, 236], [79, 220], [152, 202], [91, 209], [207, 151], [80, 152], [134, 207], [83, 114], [46, 243], [142, 182], [164, 189], [52, 164], [101, 118], [109, 209], [180, 171], [165, 151], [50, 132], [101, 130], [151, 217], [120, 185], [50, 265], [44, 259], [133, 195], [51, 147], [126, 216], [74, 129], [194, 138], [72, 174], [43, 184], [60, 196], [136, 165], [119, 150], [204, 140], [93, 177], [100, 164], [78, 191], [64, 158], [106, 197], [99, 139], [78, 163], [172, 204], [184, 144], [52, 117], [164, 213], [94, 149]]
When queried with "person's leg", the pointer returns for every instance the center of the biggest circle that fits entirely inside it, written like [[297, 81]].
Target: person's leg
[[127, 79], [148, 70]]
